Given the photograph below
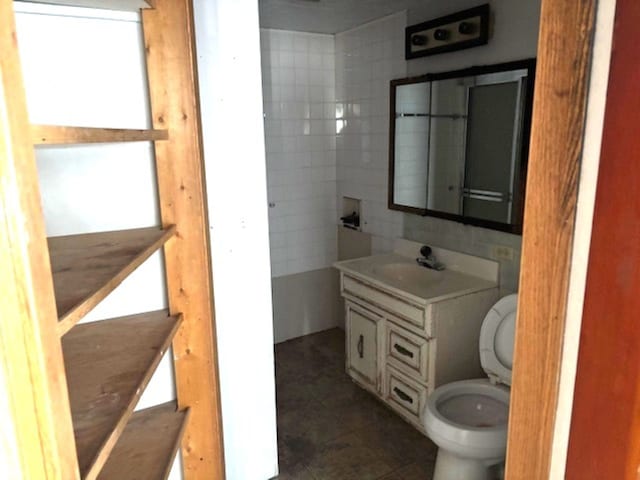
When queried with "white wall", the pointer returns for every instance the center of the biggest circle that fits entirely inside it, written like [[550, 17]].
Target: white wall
[[86, 67], [298, 80], [367, 58], [228, 54]]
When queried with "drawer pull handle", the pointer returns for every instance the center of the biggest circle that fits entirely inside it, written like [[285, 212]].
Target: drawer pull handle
[[402, 395], [361, 346], [403, 351]]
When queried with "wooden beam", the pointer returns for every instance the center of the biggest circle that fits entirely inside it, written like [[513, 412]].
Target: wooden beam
[[37, 438], [168, 32], [605, 426], [56, 135], [564, 51]]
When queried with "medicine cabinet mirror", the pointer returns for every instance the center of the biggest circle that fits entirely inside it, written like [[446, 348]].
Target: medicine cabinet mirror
[[459, 142]]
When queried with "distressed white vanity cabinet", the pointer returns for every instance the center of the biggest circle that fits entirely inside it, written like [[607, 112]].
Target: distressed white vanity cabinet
[[410, 329]]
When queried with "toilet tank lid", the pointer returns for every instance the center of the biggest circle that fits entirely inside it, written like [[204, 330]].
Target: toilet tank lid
[[497, 339]]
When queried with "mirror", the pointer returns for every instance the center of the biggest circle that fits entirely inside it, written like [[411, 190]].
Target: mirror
[[459, 142]]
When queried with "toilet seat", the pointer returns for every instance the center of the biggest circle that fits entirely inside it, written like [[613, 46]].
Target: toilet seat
[[496, 340]]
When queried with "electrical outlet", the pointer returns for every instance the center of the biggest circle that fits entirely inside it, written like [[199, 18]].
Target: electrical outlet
[[502, 253]]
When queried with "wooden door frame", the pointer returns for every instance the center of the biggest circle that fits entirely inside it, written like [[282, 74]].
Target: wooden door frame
[[559, 118], [605, 428]]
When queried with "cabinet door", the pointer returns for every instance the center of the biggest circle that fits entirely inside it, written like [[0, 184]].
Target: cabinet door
[[362, 343]]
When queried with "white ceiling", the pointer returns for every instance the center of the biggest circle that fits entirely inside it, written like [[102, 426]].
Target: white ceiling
[[327, 16]]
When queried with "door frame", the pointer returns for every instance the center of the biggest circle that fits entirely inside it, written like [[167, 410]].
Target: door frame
[[558, 124]]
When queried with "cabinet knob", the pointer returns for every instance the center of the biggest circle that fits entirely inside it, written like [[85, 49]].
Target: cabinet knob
[[361, 346]]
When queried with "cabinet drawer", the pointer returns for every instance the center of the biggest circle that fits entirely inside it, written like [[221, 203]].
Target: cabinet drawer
[[413, 314], [407, 352], [406, 396]]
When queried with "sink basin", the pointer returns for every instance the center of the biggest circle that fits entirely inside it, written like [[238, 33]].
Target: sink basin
[[407, 273], [400, 275]]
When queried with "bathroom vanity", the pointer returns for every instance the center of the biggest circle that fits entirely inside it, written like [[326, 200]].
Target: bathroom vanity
[[410, 329]]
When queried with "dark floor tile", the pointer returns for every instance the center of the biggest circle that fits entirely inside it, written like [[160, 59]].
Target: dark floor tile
[[310, 423], [297, 472], [294, 453], [330, 342], [327, 386], [413, 471], [331, 429], [357, 409], [345, 458], [397, 442], [294, 358], [293, 394]]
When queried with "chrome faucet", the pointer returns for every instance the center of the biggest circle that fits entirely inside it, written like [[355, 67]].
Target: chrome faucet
[[428, 260]]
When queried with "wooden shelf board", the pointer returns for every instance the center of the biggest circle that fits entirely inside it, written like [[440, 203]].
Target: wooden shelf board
[[86, 268], [108, 365], [127, 5], [57, 135], [148, 445]]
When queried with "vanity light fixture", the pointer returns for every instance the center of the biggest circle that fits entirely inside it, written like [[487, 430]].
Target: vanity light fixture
[[464, 29]]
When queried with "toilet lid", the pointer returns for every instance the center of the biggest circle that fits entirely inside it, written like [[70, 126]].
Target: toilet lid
[[496, 339]]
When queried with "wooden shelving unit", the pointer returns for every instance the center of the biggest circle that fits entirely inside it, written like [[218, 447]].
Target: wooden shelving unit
[[68, 390]]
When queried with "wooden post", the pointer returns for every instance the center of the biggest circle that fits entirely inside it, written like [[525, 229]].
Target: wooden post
[[168, 31], [35, 420]]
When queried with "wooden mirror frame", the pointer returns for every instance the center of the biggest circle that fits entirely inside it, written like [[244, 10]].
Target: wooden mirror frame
[[518, 201]]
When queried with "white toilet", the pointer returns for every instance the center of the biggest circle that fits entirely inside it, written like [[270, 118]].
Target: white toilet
[[468, 419]]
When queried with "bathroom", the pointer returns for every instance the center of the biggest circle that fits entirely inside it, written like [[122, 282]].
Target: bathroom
[[326, 104], [327, 158]]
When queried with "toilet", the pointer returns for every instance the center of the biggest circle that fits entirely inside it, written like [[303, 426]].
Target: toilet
[[467, 420]]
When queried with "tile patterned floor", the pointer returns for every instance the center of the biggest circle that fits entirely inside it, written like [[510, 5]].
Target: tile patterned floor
[[330, 429]]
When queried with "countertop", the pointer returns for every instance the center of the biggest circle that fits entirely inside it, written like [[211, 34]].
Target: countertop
[[402, 276]]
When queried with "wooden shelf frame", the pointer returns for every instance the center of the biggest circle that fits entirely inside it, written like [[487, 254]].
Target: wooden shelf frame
[[108, 365], [88, 267], [62, 135], [43, 445]]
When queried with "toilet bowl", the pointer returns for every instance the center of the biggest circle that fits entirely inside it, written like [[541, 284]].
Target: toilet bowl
[[467, 420]]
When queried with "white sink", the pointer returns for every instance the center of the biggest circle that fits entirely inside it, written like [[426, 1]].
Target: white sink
[[407, 272], [398, 273]]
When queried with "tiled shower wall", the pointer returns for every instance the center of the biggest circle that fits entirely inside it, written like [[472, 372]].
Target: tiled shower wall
[[298, 76], [367, 58]]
